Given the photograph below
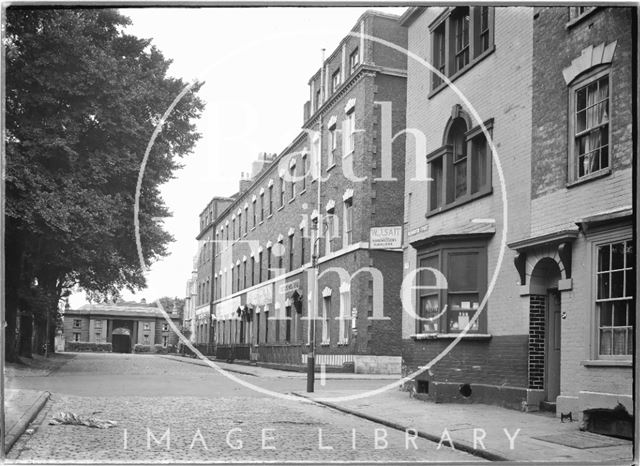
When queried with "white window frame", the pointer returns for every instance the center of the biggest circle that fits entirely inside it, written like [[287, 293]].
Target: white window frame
[[326, 316], [572, 158], [351, 132], [597, 240], [345, 313], [347, 235]]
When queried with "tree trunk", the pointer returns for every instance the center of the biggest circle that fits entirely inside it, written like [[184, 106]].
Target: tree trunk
[[11, 310], [26, 333]]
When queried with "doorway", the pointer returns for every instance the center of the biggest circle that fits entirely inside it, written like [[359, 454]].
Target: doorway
[[121, 340], [553, 325]]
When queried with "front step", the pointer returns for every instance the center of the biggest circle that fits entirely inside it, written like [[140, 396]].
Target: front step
[[549, 406]]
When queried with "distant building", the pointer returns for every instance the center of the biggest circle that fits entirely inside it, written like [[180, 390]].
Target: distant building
[[122, 324], [191, 296], [202, 309], [262, 289]]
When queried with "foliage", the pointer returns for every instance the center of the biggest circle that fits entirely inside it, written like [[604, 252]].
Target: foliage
[[168, 304], [85, 346], [140, 348], [82, 100]]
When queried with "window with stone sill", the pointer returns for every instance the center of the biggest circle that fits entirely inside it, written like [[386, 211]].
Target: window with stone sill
[[305, 171], [326, 316], [282, 191], [615, 305], [333, 145], [589, 127], [461, 169], [351, 132], [348, 222]]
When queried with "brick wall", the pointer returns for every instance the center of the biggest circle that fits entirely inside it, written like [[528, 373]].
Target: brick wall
[[556, 45], [375, 203], [500, 361], [537, 312], [555, 205]]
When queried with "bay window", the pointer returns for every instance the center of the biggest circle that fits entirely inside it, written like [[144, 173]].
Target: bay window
[[450, 308]]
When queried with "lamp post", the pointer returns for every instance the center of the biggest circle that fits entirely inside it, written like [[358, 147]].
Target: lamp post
[[315, 247]]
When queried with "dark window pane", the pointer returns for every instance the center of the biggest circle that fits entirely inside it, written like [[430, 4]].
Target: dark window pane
[[630, 278], [620, 314], [603, 286], [581, 99], [605, 314], [428, 278], [462, 273], [436, 184], [479, 164], [617, 256], [460, 179], [603, 258], [617, 284]]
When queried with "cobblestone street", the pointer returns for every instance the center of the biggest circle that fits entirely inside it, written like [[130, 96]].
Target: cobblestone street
[[205, 417]]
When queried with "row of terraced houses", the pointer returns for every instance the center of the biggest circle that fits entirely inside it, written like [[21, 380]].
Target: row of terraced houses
[[465, 176]]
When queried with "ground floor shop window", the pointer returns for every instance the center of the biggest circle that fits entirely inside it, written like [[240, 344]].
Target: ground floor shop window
[[448, 306], [615, 307]]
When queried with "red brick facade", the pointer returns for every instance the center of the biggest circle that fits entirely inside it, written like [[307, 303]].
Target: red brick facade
[[356, 200]]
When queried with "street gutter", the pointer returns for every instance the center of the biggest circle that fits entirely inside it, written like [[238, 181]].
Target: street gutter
[[457, 445]]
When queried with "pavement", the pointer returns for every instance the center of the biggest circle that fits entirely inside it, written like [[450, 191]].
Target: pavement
[[490, 432], [266, 372], [481, 430], [21, 406]]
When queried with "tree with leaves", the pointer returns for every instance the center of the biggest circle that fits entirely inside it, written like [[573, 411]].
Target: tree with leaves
[[82, 101]]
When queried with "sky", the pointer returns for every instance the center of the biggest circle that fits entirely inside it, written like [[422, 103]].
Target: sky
[[256, 64]]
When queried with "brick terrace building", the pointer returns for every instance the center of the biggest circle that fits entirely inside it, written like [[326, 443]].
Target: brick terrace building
[[201, 303], [558, 326], [261, 280], [191, 296], [122, 324], [455, 222], [576, 262]]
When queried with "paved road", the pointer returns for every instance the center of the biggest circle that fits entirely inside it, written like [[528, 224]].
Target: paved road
[[203, 417]]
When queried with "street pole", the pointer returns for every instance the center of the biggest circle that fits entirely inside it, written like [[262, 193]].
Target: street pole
[[315, 249]]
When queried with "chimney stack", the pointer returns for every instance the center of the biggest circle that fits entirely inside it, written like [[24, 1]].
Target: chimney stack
[[245, 182]]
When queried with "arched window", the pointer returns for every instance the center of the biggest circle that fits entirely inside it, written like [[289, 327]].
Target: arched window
[[456, 140], [460, 170]]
